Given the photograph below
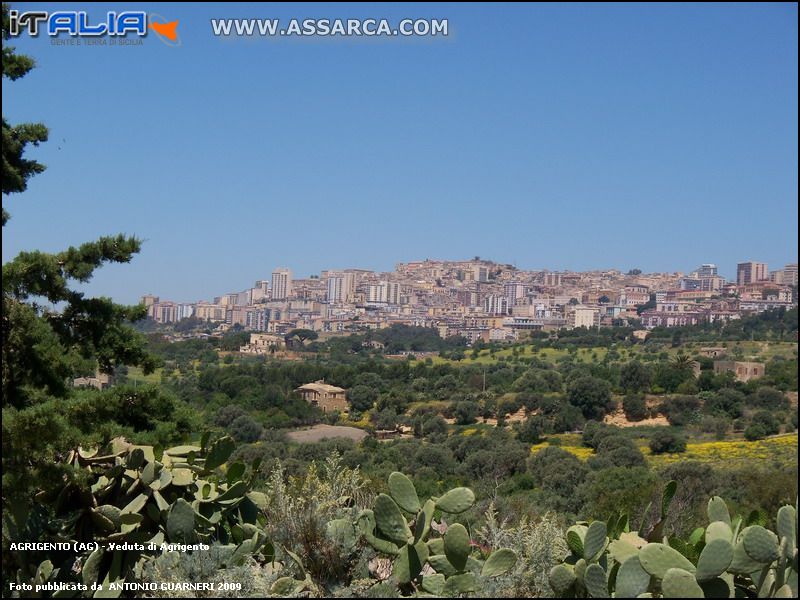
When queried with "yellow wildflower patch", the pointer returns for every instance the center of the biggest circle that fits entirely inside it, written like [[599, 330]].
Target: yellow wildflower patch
[[781, 449]]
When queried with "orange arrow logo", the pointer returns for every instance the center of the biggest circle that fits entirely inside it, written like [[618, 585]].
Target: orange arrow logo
[[166, 29]]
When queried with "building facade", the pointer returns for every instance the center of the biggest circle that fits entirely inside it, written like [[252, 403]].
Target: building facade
[[329, 398], [281, 284], [751, 272]]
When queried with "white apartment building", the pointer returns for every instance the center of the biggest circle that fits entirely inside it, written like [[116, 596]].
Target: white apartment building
[[281, 284]]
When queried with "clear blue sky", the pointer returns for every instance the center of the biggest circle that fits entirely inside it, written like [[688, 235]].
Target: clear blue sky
[[561, 137]]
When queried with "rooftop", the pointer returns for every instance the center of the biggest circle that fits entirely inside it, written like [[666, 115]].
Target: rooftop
[[321, 387]]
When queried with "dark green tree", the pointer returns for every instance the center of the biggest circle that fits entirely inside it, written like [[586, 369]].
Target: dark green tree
[[362, 397], [530, 430], [17, 169], [592, 395], [635, 407], [665, 440], [635, 377], [300, 336], [44, 348], [651, 303], [618, 490], [466, 411]]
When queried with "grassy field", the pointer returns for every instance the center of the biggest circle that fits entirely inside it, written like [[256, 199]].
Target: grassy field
[[135, 374], [757, 350], [780, 449], [485, 357]]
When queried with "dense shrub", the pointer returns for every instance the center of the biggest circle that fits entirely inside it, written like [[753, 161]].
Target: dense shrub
[[681, 410], [559, 474], [664, 440], [466, 412], [362, 397], [245, 430], [592, 396], [768, 398], [594, 432], [767, 421], [616, 451], [385, 419], [635, 377], [530, 430], [755, 432], [617, 490], [635, 407], [725, 402], [228, 414]]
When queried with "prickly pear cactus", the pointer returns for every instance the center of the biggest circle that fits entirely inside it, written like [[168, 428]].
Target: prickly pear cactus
[[139, 499], [400, 526], [723, 560]]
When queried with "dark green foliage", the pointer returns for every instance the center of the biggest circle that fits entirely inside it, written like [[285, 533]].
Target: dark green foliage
[[530, 430], [670, 376], [719, 426], [681, 410], [396, 399], [362, 397], [429, 425], [466, 412], [559, 474], [591, 395], [244, 430], [33, 436], [133, 494], [438, 458], [41, 347], [726, 402], [399, 338], [651, 303], [618, 489], [17, 169], [635, 407], [566, 418], [228, 414], [385, 419], [233, 340], [297, 338], [767, 421], [768, 398], [616, 451], [489, 458], [44, 348], [635, 377], [782, 373], [594, 432], [667, 441], [537, 380]]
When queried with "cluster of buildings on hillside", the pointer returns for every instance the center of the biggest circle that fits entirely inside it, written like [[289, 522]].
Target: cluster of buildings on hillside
[[484, 300]]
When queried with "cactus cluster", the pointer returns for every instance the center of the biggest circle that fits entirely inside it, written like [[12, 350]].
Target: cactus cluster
[[139, 496], [401, 526], [728, 558]]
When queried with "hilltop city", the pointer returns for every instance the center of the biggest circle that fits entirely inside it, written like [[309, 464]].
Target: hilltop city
[[483, 300]]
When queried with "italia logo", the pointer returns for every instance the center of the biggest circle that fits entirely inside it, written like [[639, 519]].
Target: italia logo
[[77, 23]]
